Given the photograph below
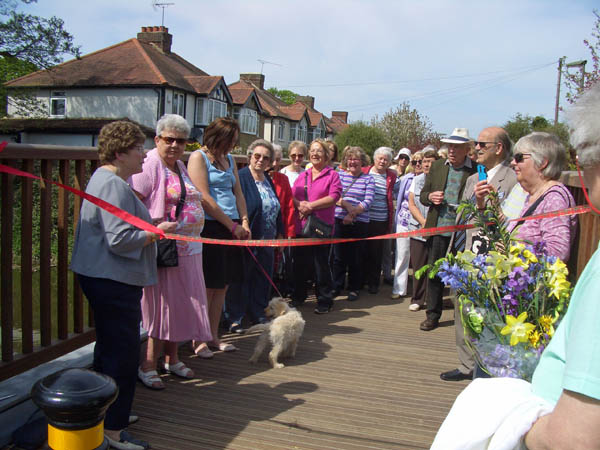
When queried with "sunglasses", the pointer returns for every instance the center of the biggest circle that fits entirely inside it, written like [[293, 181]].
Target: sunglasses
[[299, 156], [169, 140], [416, 162], [258, 157], [519, 157], [483, 144]]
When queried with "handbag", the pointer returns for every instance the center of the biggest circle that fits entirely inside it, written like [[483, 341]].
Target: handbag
[[315, 227], [166, 249]]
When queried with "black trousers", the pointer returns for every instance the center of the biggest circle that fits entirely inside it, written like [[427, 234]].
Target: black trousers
[[437, 247], [348, 256], [117, 315], [418, 258], [374, 253], [305, 259]]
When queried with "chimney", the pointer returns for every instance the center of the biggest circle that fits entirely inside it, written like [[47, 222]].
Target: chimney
[[340, 115], [307, 100], [258, 79], [157, 36]]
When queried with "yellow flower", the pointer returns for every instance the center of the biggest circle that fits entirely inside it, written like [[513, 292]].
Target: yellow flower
[[534, 338], [547, 323], [517, 328], [516, 248], [529, 256], [558, 285]]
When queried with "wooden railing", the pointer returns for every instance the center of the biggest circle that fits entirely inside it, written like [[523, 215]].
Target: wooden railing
[[48, 216]]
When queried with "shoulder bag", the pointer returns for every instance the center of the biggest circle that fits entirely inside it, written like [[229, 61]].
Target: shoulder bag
[[314, 227], [166, 249]]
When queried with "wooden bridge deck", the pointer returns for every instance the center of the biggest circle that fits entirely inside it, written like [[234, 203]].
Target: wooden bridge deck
[[364, 376]]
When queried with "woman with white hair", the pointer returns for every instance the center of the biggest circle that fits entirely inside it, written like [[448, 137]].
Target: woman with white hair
[[174, 309], [381, 214], [538, 161], [561, 406]]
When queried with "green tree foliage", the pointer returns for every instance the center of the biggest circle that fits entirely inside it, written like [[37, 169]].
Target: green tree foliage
[[573, 80], [361, 134], [286, 95], [406, 127], [521, 125], [29, 43]]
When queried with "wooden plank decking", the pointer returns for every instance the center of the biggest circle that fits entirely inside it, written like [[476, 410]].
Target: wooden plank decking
[[364, 377]]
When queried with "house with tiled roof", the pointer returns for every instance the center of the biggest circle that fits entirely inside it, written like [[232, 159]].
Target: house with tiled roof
[[248, 112], [282, 123], [140, 79]]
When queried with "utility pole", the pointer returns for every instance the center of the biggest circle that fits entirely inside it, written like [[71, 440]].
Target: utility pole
[[560, 64], [581, 65]]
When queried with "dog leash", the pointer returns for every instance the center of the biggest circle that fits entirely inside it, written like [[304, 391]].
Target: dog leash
[[264, 272]]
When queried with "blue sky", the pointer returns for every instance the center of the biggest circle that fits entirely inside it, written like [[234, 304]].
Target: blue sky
[[462, 63]]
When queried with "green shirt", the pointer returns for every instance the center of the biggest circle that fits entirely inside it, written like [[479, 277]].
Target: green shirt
[[572, 359], [447, 215]]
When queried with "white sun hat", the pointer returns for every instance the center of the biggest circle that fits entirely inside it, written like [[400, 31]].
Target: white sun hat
[[458, 136]]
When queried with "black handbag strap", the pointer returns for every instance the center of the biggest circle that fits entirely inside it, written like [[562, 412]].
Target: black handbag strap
[[535, 204], [306, 185], [181, 196]]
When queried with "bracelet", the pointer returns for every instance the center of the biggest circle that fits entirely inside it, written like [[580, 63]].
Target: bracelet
[[234, 227]]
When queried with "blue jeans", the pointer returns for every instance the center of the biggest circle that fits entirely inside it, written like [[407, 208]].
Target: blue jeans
[[252, 295], [117, 315]]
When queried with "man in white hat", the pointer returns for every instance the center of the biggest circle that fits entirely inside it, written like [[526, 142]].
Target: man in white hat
[[442, 191]]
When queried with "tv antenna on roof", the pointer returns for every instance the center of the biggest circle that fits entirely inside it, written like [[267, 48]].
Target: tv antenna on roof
[[263, 62], [157, 4]]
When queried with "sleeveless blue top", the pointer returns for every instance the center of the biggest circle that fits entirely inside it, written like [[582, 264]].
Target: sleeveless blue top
[[220, 185]]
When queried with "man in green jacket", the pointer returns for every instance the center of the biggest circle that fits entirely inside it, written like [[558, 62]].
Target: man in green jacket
[[442, 191]]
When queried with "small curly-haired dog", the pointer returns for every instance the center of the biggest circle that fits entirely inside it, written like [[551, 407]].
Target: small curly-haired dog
[[283, 331]]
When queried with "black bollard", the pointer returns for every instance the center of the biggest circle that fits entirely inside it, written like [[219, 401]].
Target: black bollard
[[75, 402]]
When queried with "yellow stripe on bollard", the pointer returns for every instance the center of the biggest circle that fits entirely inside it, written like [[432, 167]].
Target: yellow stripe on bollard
[[88, 439]]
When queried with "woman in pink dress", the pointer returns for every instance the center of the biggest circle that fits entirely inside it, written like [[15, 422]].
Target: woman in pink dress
[[175, 309]]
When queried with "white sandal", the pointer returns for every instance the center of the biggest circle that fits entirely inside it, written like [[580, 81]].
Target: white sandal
[[180, 369], [149, 378]]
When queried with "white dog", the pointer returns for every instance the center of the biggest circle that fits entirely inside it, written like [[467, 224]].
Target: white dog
[[283, 331]]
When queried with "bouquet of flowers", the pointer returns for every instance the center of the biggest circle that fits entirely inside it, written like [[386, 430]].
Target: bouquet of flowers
[[510, 299]]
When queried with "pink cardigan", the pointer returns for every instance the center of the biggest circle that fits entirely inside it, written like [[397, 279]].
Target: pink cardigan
[[151, 184]]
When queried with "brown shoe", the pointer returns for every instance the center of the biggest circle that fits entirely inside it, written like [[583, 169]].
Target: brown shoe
[[429, 324]]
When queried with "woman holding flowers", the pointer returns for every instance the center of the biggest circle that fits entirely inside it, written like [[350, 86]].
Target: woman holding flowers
[[538, 161], [561, 407]]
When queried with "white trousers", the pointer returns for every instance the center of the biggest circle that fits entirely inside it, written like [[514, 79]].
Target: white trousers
[[402, 262]]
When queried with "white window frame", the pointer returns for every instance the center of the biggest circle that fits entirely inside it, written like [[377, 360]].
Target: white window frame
[[209, 109], [302, 135], [58, 97], [293, 132], [248, 120], [178, 104], [281, 130]]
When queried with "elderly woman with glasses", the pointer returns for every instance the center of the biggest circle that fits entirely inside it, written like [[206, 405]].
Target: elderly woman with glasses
[[538, 161], [174, 309], [251, 294], [352, 221], [402, 220], [297, 152], [381, 214]]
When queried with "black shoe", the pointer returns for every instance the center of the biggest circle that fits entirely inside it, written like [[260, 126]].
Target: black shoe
[[456, 375], [352, 296], [429, 324], [236, 328], [322, 309], [373, 289], [335, 293]]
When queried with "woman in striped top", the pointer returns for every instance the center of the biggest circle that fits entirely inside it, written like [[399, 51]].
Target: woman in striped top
[[352, 220]]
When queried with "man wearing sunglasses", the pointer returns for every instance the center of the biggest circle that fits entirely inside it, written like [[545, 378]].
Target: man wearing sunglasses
[[443, 188], [493, 151]]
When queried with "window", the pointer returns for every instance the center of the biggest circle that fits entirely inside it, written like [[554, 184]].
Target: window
[[178, 103], [293, 132], [302, 132], [58, 104], [281, 130], [208, 110], [248, 120]]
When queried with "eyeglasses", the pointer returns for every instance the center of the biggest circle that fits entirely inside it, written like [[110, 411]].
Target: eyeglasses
[[404, 157], [316, 151], [169, 140], [298, 155], [482, 144], [416, 162], [258, 157], [519, 157]]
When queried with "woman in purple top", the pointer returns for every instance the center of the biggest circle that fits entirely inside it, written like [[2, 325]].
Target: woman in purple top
[[352, 220], [315, 192], [538, 162]]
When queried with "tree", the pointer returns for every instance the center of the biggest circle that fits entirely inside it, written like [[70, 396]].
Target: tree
[[521, 125], [363, 135], [573, 81], [406, 127], [29, 43], [286, 95]]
